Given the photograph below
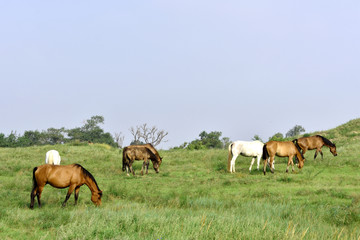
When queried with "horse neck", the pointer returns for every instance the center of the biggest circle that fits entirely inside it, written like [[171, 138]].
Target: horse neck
[[299, 155], [91, 184]]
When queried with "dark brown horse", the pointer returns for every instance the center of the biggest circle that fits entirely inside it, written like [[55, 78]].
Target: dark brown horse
[[144, 152], [316, 142], [282, 149], [63, 176]]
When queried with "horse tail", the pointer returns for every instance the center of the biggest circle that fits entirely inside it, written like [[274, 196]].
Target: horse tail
[[34, 178], [265, 154], [123, 160], [230, 156]]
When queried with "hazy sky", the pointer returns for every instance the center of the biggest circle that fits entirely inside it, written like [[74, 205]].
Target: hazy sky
[[239, 67]]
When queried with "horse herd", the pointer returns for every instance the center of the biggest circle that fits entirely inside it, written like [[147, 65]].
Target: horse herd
[[74, 176]]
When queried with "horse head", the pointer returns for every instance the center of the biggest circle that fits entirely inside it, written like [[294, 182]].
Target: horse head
[[333, 150], [96, 198], [156, 164]]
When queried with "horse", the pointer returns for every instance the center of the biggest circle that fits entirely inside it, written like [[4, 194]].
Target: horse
[[316, 142], [63, 176], [282, 149], [141, 152], [53, 157], [247, 149]]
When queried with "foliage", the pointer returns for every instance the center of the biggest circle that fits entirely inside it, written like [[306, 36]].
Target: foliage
[[89, 132], [207, 141], [295, 131], [257, 138], [277, 137]]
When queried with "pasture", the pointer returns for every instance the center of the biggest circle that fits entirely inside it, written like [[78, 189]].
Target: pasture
[[193, 196]]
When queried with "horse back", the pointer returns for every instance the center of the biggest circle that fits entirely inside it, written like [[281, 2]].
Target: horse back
[[59, 176], [247, 148], [138, 152], [310, 143], [281, 149]]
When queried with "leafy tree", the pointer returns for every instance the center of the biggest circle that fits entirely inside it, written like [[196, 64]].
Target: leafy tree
[[257, 138], [277, 137], [211, 140], [196, 145], [226, 142], [54, 136], [297, 130]]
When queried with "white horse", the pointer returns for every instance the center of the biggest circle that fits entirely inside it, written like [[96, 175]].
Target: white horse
[[53, 157], [248, 149]]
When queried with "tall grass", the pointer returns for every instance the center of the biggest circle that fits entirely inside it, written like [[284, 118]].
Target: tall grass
[[193, 197]]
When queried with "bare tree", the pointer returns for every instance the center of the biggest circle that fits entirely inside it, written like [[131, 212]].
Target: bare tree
[[119, 139], [148, 134]]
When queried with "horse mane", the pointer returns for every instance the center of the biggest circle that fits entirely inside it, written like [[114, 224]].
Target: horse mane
[[87, 173], [152, 148], [326, 141], [295, 141]]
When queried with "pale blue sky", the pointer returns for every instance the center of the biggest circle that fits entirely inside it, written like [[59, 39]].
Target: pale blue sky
[[239, 67]]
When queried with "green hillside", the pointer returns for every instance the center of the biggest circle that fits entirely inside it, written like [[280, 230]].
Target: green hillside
[[193, 196]]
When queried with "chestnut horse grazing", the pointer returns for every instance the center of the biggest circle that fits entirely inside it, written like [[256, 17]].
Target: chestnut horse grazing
[[316, 142], [282, 149], [53, 157], [141, 152], [72, 176], [244, 148]]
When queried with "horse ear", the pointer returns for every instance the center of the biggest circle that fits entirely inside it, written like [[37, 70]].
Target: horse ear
[[100, 193]]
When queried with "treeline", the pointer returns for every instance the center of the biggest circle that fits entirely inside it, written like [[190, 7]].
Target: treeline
[[214, 140], [89, 132]]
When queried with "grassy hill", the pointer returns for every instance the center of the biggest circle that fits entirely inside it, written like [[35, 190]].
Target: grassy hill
[[193, 197]]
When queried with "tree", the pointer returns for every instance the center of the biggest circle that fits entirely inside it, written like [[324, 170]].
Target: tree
[[257, 138], [148, 134], [211, 140], [277, 137], [295, 131], [91, 132], [119, 139], [226, 142]]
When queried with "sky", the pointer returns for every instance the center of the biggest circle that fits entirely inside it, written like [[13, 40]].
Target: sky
[[243, 68]]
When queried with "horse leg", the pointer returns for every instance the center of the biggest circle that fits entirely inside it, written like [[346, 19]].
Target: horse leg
[[71, 189], [265, 164], [252, 162], [232, 165], [147, 167], [272, 164], [32, 197], [77, 190], [143, 167], [292, 163], [258, 161], [131, 168], [315, 154], [322, 155], [38, 194]]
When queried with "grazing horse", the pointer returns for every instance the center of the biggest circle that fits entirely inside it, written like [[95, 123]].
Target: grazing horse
[[316, 142], [72, 176], [247, 149], [140, 152], [282, 149], [53, 157]]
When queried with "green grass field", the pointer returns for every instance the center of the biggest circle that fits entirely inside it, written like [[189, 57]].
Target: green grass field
[[193, 196]]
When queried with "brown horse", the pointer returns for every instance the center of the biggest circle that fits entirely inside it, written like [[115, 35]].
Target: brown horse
[[141, 152], [282, 149], [316, 142], [72, 176]]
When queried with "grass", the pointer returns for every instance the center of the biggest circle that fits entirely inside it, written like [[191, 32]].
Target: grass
[[193, 197]]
